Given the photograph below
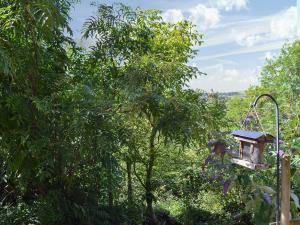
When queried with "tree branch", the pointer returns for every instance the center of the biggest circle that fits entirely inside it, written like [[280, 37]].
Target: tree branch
[[137, 176]]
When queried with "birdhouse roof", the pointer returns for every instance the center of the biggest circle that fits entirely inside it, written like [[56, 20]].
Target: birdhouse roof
[[253, 135]]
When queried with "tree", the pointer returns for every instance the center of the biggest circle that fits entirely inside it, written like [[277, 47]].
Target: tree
[[34, 145], [32, 72], [93, 136], [148, 60]]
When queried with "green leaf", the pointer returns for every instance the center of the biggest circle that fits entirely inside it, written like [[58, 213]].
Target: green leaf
[[17, 161]]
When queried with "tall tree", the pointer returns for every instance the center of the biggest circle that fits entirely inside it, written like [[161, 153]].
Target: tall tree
[[148, 59], [32, 72]]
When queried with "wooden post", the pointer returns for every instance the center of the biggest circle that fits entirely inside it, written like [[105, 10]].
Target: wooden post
[[292, 222], [286, 193], [285, 190]]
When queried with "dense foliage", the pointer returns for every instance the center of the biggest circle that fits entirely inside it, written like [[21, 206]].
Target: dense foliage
[[111, 134], [85, 133]]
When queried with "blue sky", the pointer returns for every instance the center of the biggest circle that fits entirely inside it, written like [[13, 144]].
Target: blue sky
[[238, 35]]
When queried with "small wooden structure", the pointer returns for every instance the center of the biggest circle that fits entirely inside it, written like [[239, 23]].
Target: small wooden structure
[[251, 148]]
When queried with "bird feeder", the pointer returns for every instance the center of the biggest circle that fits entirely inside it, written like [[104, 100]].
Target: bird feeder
[[251, 148]]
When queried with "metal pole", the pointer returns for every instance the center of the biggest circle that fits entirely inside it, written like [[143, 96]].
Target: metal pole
[[278, 154]]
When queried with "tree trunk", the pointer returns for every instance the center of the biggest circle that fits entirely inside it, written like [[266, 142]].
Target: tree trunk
[[129, 183], [110, 186], [150, 216], [34, 67], [33, 71]]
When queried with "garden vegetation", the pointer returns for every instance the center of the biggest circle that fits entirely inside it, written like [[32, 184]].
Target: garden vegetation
[[110, 133]]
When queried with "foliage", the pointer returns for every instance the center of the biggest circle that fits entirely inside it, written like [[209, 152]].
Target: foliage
[[112, 134], [87, 135]]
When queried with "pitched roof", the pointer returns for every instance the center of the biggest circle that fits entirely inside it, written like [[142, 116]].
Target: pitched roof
[[249, 134]]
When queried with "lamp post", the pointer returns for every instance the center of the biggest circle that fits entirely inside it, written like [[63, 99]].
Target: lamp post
[[277, 156]]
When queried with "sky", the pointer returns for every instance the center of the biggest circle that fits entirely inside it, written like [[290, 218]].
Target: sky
[[239, 35]]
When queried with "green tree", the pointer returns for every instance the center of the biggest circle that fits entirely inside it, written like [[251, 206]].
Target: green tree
[[33, 74], [147, 63], [94, 136]]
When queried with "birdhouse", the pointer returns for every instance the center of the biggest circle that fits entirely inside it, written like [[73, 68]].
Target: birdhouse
[[251, 148]]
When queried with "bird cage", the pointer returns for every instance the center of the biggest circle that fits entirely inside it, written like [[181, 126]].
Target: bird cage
[[251, 148]]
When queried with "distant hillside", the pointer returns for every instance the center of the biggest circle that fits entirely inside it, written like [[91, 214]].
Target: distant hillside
[[231, 94]]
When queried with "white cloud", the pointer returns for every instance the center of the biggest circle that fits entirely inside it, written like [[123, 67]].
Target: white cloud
[[258, 48], [284, 24], [279, 26], [229, 5], [204, 17], [268, 55], [248, 40], [225, 78], [173, 15], [237, 31], [262, 37], [231, 75]]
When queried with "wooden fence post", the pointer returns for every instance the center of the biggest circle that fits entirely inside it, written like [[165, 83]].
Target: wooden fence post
[[285, 190], [286, 193]]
